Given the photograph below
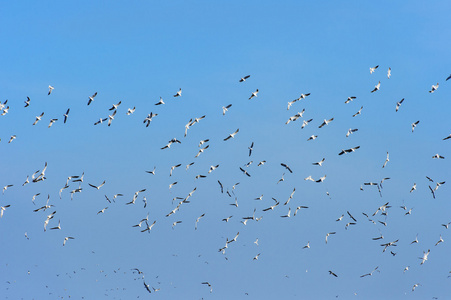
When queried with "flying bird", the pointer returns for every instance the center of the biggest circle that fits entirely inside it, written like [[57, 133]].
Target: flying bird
[[244, 78], [398, 104], [286, 167], [376, 87], [414, 124], [251, 148], [359, 112], [350, 99], [161, 102], [66, 115], [245, 172], [373, 69], [389, 73], [348, 150], [51, 88], [51, 122], [254, 94], [320, 163], [434, 88], [130, 111], [115, 106], [351, 131], [27, 103], [38, 118], [386, 161], [91, 98], [232, 135], [225, 109], [179, 93], [326, 122]]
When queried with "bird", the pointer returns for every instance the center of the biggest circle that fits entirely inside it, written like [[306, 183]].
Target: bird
[[209, 285], [449, 77], [351, 131], [386, 161], [91, 98], [149, 227], [152, 172], [376, 87], [439, 241], [225, 109], [251, 147], [348, 150], [303, 96], [305, 123], [437, 156], [57, 227], [189, 165], [115, 106], [328, 234], [2, 209], [102, 211], [254, 94], [232, 135], [66, 115], [66, 239], [100, 121], [51, 88], [321, 179], [307, 246], [414, 286], [371, 273], [172, 184], [111, 117], [298, 208], [332, 273], [179, 93], [147, 287], [227, 219], [434, 88], [373, 69], [256, 257], [398, 104], [288, 214], [414, 124], [244, 78], [201, 150], [149, 118], [312, 137], [425, 256], [130, 111], [212, 168], [6, 187], [448, 137], [173, 168], [414, 187], [389, 73], [358, 113], [161, 102], [286, 167], [350, 99], [326, 122], [51, 122], [38, 118], [197, 221], [415, 241], [27, 102], [97, 187]]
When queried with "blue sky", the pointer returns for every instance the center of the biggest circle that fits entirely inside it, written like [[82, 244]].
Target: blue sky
[[140, 51]]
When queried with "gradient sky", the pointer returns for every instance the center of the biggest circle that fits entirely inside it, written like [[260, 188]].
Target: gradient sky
[[139, 51]]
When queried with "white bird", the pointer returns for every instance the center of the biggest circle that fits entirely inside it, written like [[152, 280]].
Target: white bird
[[66, 115], [326, 122], [320, 163], [359, 112], [97, 187], [6, 187], [51, 88], [254, 94], [328, 234], [232, 135], [376, 87], [414, 286], [307, 246], [425, 256], [398, 104], [2, 209], [434, 88], [179, 93], [51, 122], [351, 131], [149, 118], [225, 109], [288, 214], [201, 150], [111, 117], [305, 123], [212, 168], [348, 150], [389, 73], [312, 137], [38, 118], [244, 78], [373, 69], [161, 102], [91, 98], [321, 179], [66, 239], [197, 221], [115, 106], [437, 156], [386, 161], [149, 227], [440, 240], [256, 257], [130, 111], [309, 178]]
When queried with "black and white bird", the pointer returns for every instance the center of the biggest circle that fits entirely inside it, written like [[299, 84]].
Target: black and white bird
[[149, 118], [351, 131], [350, 99], [438, 156], [97, 187], [51, 88], [244, 78], [130, 111], [51, 122], [332, 273], [376, 87], [245, 172], [373, 69], [358, 113], [320, 163], [305, 123], [386, 161], [312, 137], [232, 135], [161, 102], [66, 239], [66, 115], [326, 122], [115, 106], [91, 98], [38, 118], [348, 150], [179, 93], [254, 94], [434, 88], [225, 109], [111, 118], [398, 104], [27, 103], [251, 147], [389, 73], [414, 124]]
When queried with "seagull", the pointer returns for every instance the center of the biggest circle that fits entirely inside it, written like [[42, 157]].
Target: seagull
[[173, 167], [189, 165], [201, 150], [197, 221], [66, 115], [376, 87], [272, 207], [386, 245], [414, 125], [440, 240], [332, 273], [386, 161], [152, 172], [115, 106], [389, 73], [172, 184], [100, 121], [414, 187], [27, 103], [256, 257], [51, 88], [57, 227], [209, 285], [359, 112], [66, 239], [406, 269], [415, 241], [303, 96], [212, 168], [256, 242], [446, 225], [326, 122], [102, 211], [291, 103], [130, 111], [244, 78], [350, 99], [179, 93], [425, 256], [288, 214], [348, 150], [286, 167], [2, 209], [38, 118], [321, 179], [305, 123], [149, 117], [149, 227], [449, 77], [147, 287], [6, 187], [225, 109], [448, 137], [414, 286], [227, 219], [309, 178], [175, 223], [434, 88], [160, 102], [398, 104], [298, 208], [312, 137], [245, 172], [232, 135], [97, 187], [373, 69], [351, 131], [254, 94], [51, 122], [371, 273], [307, 246], [438, 156], [251, 148], [111, 117], [92, 98], [327, 235]]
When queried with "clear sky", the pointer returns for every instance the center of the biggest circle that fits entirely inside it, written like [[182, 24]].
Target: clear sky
[[138, 51]]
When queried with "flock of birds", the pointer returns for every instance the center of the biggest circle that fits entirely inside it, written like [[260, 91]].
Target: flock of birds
[[146, 225]]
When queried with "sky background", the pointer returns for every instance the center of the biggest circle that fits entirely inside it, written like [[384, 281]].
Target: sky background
[[139, 51]]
